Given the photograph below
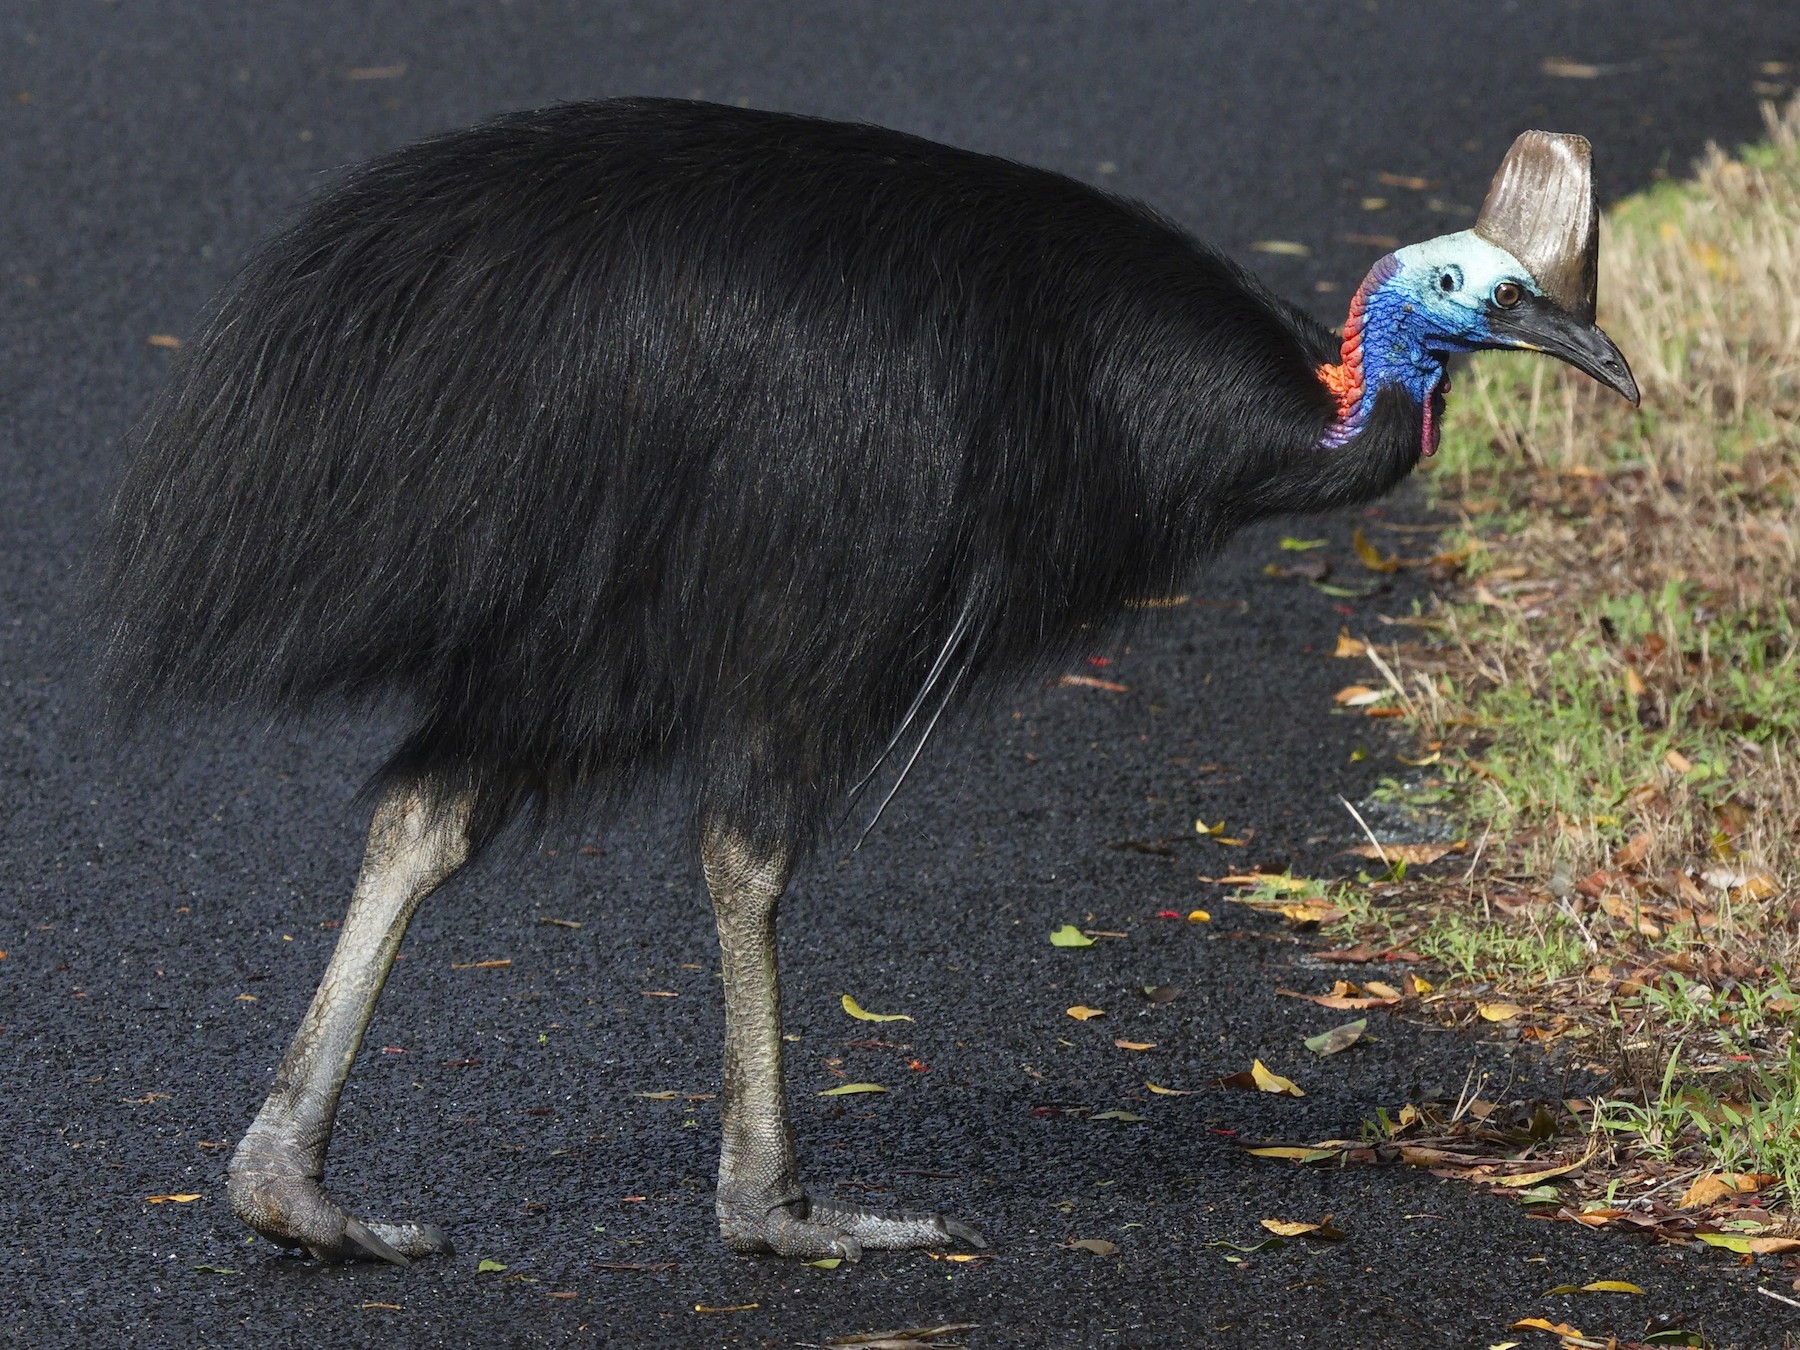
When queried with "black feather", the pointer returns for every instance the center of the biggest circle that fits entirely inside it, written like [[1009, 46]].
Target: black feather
[[657, 441]]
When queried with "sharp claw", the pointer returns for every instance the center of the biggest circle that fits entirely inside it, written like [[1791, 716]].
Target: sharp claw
[[962, 1232], [357, 1232]]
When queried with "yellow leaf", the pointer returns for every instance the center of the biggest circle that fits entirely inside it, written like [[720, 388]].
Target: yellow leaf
[[1304, 1155], [1081, 1012], [1358, 696], [1135, 1045], [1750, 1246], [735, 1307], [172, 1199], [1634, 684], [1348, 647], [1285, 247], [1678, 762], [659, 1096], [1201, 827], [1380, 990], [1706, 1189], [849, 1089], [1498, 1012], [862, 1015], [167, 341], [1611, 1287], [1370, 555], [1199, 916], [1414, 855], [1273, 881], [1273, 1082], [1533, 1178], [1288, 1227], [1542, 1324], [1168, 1092], [1419, 986]]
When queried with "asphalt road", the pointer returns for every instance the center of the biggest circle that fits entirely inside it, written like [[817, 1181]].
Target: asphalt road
[[163, 912]]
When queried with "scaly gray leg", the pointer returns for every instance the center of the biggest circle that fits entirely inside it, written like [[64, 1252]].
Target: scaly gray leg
[[414, 846], [762, 1206]]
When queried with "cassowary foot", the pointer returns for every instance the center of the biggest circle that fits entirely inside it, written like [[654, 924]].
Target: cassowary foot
[[280, 1198], [812, 1229]]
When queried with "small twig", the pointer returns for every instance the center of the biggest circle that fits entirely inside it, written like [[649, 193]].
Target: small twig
[[1357, 816], [1779, 1298], [1466, 1098]]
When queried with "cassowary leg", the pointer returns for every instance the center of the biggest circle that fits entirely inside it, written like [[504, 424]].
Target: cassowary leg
[[761, 1205], [414, 846]]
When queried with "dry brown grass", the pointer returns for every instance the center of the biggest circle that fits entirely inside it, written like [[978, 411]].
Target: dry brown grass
[[1610, 694], [1646, 566]]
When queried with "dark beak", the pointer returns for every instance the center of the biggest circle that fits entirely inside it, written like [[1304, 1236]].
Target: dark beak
[[1536, 324]]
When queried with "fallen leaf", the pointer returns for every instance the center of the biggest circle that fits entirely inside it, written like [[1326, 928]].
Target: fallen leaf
[[168, 341], [1082, 1013], [1135, 1045], [1383, 991], [562, 923], [862, 1015], [1168, 1092], [1199, 916], [1274, 881], [1746, 1245], [1348, 647], [1161, 993], [1568, 70], [1089, 682], [1410, 182], [183, 1199], [488, 1264], [1678, 762], [1286, 248], [1608, 1287], [1273, 1082], [1358, 696], [1413, 855], [1370, 556], [1129, 1117], [1201, 827], [1706, 1189], [1498, 1012], [1339, 1038], [850, 1089], [1420, 987], [1290, 1228], [1634, 851], [1540, 1324], [735, 1307], [825, 1263], [217, 1270], [1292, 545], [501, 964], [1098, 1246], [1294, 1152], [659, 1096], [909, 1338], [1070, 936], [1542, 1175]]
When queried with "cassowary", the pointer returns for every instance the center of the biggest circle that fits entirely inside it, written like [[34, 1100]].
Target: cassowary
[[652, 442]]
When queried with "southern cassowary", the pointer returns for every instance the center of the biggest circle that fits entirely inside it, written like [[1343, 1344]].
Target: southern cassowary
[[653, 442]]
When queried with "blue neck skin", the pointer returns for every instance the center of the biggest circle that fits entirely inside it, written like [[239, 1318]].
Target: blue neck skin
[[1401, 327]]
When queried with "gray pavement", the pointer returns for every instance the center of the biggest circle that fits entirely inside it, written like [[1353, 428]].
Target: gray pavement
[[164, 912]]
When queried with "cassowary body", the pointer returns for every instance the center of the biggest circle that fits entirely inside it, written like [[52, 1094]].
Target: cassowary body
[[655, 442]]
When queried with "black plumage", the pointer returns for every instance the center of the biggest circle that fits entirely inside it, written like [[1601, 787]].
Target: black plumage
[[649, 441]]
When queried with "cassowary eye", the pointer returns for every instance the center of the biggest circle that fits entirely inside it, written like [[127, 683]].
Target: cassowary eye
[[1446, 283], [1508, 293]]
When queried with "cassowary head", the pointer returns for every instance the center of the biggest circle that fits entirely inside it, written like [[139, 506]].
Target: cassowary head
[[1523, 279]]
